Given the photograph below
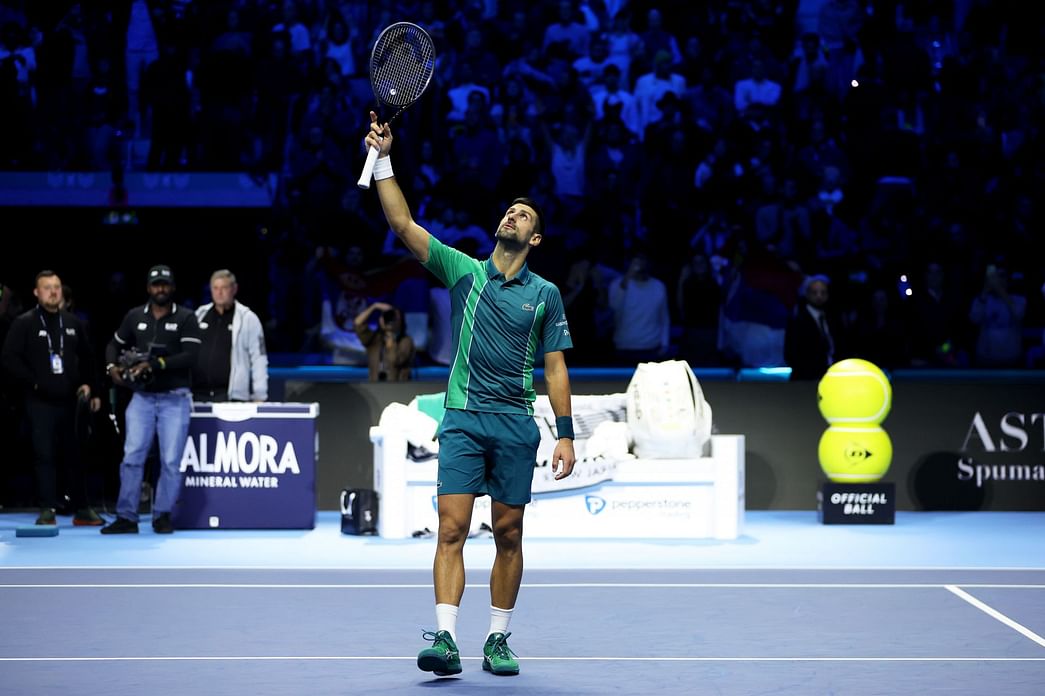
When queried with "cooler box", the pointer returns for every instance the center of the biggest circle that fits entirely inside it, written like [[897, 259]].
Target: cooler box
[[249, 466]]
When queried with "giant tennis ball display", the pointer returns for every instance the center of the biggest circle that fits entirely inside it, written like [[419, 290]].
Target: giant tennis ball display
[[854, 391], [855, 453]]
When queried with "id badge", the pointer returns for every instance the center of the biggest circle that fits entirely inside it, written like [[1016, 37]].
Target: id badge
[[56, 364]]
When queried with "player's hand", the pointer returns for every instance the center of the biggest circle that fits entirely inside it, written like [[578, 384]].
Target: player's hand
[[563, 458], [380, 136], [95, 404]]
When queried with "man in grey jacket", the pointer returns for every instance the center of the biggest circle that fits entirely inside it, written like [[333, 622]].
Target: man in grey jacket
[[232, 364]]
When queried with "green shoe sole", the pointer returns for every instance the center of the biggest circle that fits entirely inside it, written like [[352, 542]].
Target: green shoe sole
[[437, 665]]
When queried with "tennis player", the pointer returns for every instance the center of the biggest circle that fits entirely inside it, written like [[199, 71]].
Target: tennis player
[[501, 313]]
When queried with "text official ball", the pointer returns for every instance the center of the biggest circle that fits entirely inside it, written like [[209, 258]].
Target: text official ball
[[854, 391], [855, 453]]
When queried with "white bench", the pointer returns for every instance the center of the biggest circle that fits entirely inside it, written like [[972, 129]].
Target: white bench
[[632, 498]]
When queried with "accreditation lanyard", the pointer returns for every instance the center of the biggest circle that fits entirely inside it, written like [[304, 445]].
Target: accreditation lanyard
[[56, 358]]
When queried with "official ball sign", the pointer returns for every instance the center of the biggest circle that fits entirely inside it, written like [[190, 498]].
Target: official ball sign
[[857, 503]]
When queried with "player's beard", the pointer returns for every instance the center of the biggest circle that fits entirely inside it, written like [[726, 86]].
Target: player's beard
[[510, 239], [161, 299]]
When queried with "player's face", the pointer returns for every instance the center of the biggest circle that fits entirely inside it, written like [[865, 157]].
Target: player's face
[[48, 293], [518, 225]]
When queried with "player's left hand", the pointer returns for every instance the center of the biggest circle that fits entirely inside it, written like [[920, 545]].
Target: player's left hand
[[563, 458], [379, 136]]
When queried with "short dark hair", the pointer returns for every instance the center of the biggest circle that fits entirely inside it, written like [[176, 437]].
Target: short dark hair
[[538, 228], [46, 273]]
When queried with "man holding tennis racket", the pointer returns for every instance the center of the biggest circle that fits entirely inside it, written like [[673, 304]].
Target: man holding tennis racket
[[501, 312]]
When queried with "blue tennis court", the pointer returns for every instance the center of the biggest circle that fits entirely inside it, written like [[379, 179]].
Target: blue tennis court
[[842, 617]]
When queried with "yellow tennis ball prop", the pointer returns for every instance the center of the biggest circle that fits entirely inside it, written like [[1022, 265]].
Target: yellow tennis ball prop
[[855, 453], [854, 391]]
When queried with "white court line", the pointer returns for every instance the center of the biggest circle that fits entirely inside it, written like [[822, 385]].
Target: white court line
[[412, 658], [995, 614], [533, 586]]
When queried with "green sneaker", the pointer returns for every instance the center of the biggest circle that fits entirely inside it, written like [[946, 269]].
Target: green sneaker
[[442, 658], [498, 658]]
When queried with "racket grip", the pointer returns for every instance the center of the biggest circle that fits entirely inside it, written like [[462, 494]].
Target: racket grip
[[368, 168]]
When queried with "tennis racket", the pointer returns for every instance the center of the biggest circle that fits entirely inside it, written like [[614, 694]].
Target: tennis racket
[[401, 66]]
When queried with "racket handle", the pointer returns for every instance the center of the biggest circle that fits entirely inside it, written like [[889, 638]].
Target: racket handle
[[368, 169]]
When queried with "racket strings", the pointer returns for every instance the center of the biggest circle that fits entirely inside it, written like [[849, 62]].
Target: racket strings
[[402, 65]]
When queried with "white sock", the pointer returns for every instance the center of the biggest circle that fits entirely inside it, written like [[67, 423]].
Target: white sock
[[446, 619], [499, 619]]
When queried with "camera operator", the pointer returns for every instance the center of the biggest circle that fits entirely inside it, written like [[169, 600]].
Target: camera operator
[[48, 355], [159, 341]]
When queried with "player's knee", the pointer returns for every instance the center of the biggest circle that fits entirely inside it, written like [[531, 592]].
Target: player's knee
[[507, 535], [452, 532]]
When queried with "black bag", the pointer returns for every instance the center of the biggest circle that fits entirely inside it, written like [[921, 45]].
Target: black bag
[[359, 511]]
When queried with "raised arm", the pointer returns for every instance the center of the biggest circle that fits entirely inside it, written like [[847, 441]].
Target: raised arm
[[397, 212], [363, 317]]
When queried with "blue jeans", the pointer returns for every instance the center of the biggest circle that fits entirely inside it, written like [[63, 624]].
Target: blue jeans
[[149, 414]]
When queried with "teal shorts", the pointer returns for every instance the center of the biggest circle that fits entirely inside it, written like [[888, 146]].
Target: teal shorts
[[488, 454]]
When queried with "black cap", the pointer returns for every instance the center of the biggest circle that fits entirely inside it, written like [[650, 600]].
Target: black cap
[[161, 274]]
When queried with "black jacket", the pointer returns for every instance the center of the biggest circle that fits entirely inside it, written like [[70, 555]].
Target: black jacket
[[172, 342], [805, 347], [27, 355]]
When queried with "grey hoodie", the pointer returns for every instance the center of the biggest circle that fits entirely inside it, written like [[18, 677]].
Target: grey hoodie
[[248, 375]]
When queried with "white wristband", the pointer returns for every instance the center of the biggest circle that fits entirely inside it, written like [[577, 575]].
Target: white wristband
[[383, 168]]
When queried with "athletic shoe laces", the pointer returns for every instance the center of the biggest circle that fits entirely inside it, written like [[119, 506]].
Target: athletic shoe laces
[[437, 639], [500, 647]]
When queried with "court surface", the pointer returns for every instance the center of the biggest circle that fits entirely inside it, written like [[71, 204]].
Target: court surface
[[941, 603]]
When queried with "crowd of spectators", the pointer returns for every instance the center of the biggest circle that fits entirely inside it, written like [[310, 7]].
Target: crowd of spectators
[[736, 149]]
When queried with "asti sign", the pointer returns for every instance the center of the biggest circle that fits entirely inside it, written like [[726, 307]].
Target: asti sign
[[989, 447]]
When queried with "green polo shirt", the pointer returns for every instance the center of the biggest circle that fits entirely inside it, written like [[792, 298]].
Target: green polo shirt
[[497, 326]]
